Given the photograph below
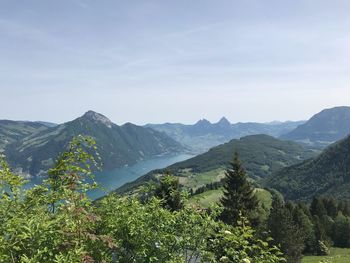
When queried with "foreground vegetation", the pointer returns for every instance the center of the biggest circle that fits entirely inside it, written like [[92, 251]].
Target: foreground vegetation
[[57, 222]]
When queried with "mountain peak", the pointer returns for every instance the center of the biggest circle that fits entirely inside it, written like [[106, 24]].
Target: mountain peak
[[203, 122], [323, 128], [224, 121], [97, 117]]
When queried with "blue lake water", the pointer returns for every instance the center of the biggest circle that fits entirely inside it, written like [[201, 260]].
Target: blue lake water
[[110, 180]]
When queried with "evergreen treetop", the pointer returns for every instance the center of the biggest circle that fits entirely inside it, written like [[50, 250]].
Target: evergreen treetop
[[238, 199]]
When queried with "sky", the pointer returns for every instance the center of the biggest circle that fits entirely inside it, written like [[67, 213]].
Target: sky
[[155, 61]]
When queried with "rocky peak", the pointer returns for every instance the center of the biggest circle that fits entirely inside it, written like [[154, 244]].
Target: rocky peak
[[97, 117]]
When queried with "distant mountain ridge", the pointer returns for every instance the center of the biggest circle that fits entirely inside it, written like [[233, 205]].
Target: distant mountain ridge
[[261, 155], [12, 131], [323, 128], [204, 135], [117, 145], [326, 174]]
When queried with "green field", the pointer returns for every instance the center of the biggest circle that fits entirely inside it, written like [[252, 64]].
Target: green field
[[338, 255], [211, 197], [207, 198], [194, 181]]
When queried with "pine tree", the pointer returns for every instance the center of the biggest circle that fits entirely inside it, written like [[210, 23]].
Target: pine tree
[[317, 207], [239, 198], [322, 241], [304, 223], [285, 232], [331, 207]]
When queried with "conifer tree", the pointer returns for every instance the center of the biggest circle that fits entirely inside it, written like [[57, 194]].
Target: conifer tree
[[239, 198], [169, 191], [304, 223], [285, 231], [317, 207], [331, 207]]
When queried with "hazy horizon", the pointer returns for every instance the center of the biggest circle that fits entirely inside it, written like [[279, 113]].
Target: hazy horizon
[[162, 61], [186, 123]]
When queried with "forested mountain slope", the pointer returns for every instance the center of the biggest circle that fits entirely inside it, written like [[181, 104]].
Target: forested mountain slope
[[117, 145], [12, 131], [261, 155], [326, 174]]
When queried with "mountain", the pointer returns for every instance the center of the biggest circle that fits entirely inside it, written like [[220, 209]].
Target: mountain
[[324, 128], [12, 131], [326, 174], [261, 156], [117, 145], [47, 124], [204, 135]]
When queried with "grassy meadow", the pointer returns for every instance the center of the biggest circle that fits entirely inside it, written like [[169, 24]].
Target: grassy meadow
[[338, 255]]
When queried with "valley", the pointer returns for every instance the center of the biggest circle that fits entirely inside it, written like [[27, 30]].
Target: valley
[[167, 131], [278, 165]]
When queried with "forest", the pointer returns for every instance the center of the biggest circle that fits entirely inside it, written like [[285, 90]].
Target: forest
[[57, 222]]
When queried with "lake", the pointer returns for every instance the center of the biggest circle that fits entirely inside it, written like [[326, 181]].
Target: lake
[[110, 180]]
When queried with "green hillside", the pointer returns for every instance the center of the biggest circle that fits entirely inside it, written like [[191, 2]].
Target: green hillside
[[12, 131], [118, 145], [326, 174], [261, 155]]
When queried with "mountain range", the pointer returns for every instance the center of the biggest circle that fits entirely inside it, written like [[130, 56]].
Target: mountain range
[[35, 151], [289, 167], [283, 165], [321, 130], [324, 128], [204, 135]]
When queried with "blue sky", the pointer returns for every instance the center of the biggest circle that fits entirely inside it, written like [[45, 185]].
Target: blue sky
[[177, 61]]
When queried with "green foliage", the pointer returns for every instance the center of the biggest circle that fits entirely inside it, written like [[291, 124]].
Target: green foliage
[[341, 231], [150, 233], [288, 232], [238, 198], [310, 229], [239, 244], [56, 222], [325, 175], [169, 192], [256, 152], [53, 222]]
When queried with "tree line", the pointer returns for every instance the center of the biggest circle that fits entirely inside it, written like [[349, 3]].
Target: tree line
[[296, 228]]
